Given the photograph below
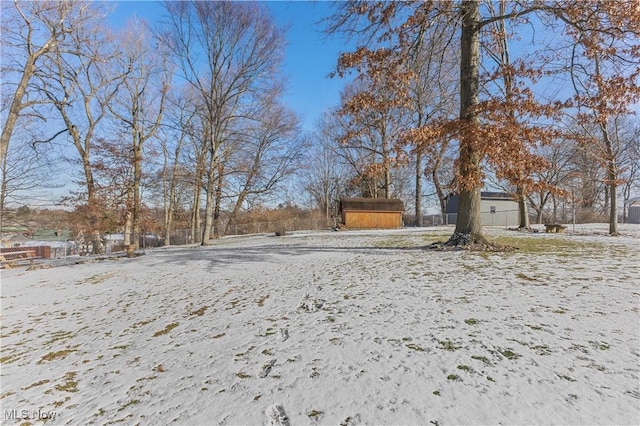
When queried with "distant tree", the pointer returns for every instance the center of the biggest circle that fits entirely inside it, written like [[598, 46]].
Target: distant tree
[[630, 163], [514, 112], [407, 79], [23, 211], [432, 97], [605, 75], [269, 150], [24, 170], [181, 113], [138, 108], [374, 118], [555, 178], [229, 53], [324, 175]]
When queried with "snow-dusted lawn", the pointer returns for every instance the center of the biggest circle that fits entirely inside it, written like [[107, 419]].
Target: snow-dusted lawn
[[335, 328]]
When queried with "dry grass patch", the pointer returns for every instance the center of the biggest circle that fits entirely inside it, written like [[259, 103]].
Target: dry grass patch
[[166, 330], [52, 356], [70, 384], [199, 312]]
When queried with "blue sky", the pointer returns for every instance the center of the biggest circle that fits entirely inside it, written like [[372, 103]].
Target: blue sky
[[310, 55]]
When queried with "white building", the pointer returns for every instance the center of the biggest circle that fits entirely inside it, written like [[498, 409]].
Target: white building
[[496, 209], [632, 207]]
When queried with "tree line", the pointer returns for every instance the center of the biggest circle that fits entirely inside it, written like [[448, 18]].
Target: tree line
[[188, 112], [187, 115]]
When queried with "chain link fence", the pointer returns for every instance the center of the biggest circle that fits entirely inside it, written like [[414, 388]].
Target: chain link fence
[[177, 237]]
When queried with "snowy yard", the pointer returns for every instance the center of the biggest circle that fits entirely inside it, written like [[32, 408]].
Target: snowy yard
[[334, 328]]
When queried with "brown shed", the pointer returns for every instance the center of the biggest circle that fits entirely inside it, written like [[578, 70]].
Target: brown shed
[[371, 213]]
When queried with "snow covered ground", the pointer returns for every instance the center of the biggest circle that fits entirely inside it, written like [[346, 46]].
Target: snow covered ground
[[331, 328]]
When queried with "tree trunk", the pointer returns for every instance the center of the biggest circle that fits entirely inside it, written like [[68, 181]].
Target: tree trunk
[[218, 202], [195, 209], [128, 229], [419, 189], [3, 187], [523, 213], [442, 198], [195, 214], [539, 206], [16, 106], [208, 213], [170, 198], [613, 214], [612, 177], [468, 224], [137, 177]]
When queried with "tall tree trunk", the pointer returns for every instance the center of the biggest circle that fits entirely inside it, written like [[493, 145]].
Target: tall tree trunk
[[128, 226], [612, 177], [418, 175], [208, 213], [442, 199], [468, 224], [170, 193], [613, 214], [387, 183], [218, 202], [195, 215], [16, 105], [197, 199], [137, 176], [3, 187], [523, 213]]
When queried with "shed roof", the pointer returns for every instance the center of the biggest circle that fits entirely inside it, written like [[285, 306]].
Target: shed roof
[[486, 195], [371, 204], [632, 201]]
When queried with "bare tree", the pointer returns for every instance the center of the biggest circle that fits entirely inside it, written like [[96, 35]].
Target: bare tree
[[139, 108], [25, 172], [79, 82], [630, 161], [433, 91], [558, 155], [30, 32], [24, 49], [269, 151], [605, 68], [177, 133], [228, 52], [324, 175]]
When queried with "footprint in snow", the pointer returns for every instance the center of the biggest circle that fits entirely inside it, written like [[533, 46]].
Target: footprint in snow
[[266, 368], [311, 305], [284, 333], [277, 416]]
